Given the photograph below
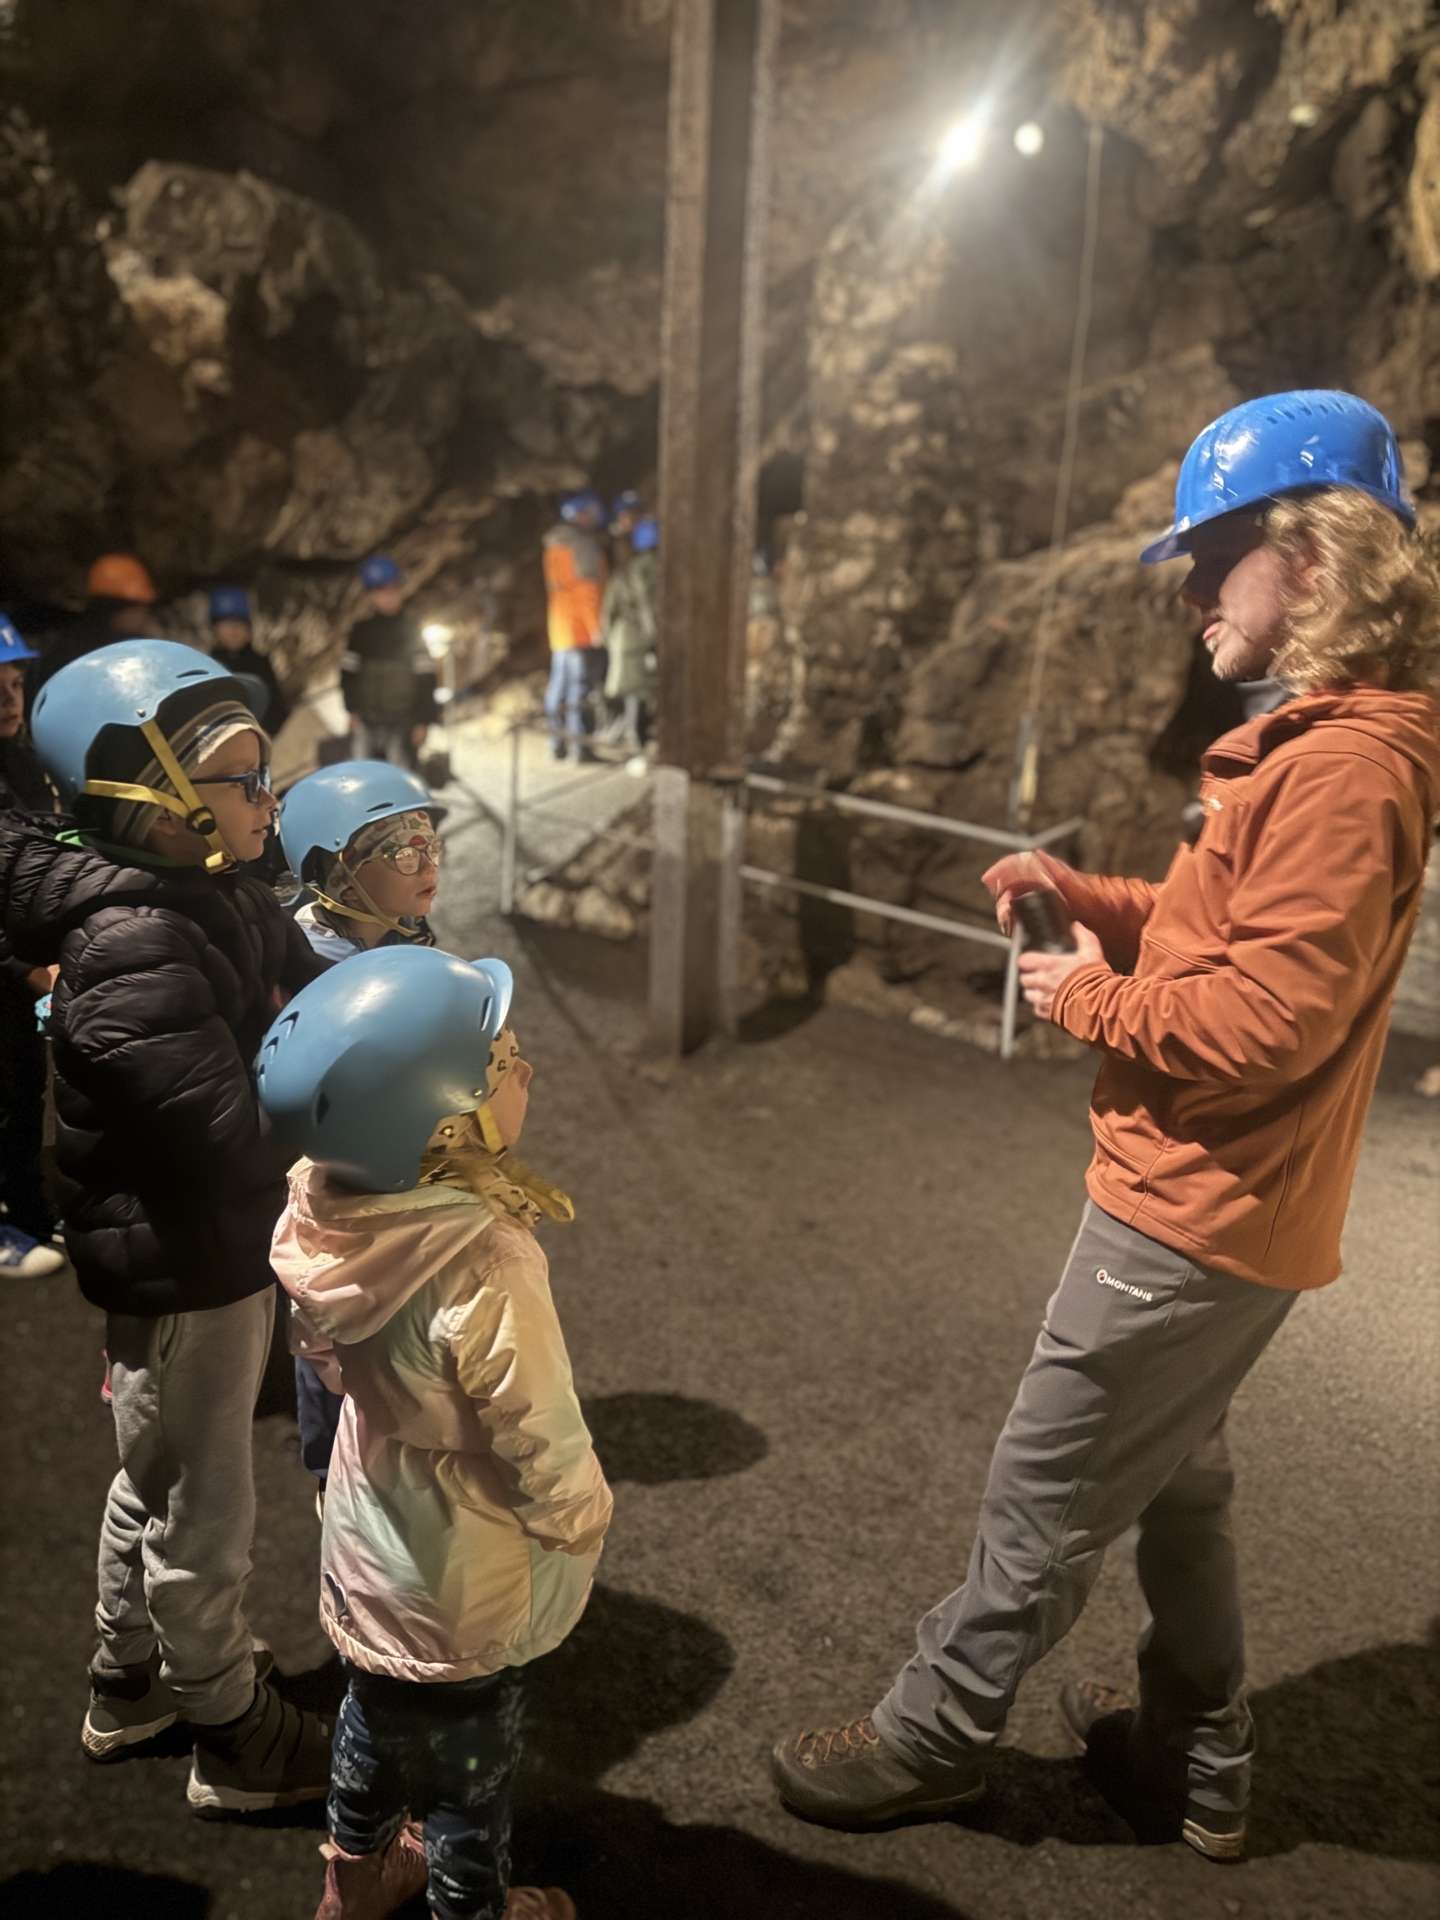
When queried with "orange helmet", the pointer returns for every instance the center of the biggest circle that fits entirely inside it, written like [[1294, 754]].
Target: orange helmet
[[120, 576]]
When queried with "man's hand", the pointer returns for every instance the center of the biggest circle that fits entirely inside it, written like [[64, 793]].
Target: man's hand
[[1042, 973], [1022, 873], [41, 980]]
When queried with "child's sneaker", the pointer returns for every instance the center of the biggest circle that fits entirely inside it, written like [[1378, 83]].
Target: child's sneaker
[[539, 1903], [272, 1756], [136, 1704], [371, 1886], [22, 1258], [128, 1707]]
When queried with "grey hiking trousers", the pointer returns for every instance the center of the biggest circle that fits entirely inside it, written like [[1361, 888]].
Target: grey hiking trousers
[[1119, 1420], [175, 1540]]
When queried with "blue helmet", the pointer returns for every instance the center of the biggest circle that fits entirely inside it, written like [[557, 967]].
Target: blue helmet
[[585, 505], [1282, 444], [230, 603], [626, 502], [12, 648], [125, 684], [110, 712], [363, 1063], [322, 813], [380, 571], [645, 535]]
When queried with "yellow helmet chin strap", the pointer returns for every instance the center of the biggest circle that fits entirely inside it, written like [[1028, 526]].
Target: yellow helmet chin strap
[[554, 1204], [375, 916], [190, 807]]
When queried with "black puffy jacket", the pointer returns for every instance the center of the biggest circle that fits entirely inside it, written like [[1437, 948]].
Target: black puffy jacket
[[170, 1182]]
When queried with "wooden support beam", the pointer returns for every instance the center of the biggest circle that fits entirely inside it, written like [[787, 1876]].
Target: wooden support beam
[[721, 89]]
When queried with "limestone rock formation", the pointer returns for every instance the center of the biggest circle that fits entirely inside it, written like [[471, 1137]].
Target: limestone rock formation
[[292, 282]]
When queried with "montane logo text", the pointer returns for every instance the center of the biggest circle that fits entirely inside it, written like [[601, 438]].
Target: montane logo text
[[1122, 1286]]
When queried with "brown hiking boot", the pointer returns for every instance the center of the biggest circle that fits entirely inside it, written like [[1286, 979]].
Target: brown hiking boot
[[848, 1777], [1099, 1719], [372, 1886]]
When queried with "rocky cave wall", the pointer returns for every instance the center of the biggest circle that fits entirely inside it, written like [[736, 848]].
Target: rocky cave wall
[[287, 282]]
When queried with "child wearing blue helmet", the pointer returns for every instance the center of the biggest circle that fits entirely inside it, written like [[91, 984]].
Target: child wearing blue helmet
[[466, 1507], [232, 634], [363, 836], [173, 955]]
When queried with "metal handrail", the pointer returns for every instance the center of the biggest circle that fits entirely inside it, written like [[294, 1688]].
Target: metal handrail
[[933, 923], [912, 816]]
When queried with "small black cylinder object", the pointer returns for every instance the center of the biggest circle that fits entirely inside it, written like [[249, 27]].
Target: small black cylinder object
[[1043, 920]]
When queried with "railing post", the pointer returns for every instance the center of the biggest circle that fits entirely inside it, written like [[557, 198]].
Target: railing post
[[509, 848], [1012, 998]]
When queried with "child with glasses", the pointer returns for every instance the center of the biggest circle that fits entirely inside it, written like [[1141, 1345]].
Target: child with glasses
[[363, 837], [378, 891]]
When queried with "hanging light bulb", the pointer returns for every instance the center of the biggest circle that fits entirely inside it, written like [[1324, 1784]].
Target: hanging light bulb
[[962, 144], [1029, 139]]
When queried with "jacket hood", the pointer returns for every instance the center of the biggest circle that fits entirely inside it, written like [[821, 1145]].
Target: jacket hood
[[1405, 723], [50, 885], [350, 1261]]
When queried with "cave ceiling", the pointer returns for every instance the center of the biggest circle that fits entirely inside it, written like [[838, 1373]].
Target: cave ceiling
[[286, 280]]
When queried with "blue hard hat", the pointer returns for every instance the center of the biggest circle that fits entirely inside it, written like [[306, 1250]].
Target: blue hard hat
[[117, 686], [576, 506], [625, 502], [1282, 444], [12, 646], [645, 535], [363, 1063], [380, 571], [322, 813], [230, 603]]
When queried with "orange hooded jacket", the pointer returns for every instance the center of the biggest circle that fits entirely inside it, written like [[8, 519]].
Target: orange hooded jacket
[[1243, 1039], [575, 574]]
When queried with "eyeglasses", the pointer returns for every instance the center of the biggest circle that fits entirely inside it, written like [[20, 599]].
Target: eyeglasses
[[409, 859], [251, 784]]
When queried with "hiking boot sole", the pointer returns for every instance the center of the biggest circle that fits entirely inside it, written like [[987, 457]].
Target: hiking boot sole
[[1214, 1846], [209, 1801], [101, 1745], [886, 1817]]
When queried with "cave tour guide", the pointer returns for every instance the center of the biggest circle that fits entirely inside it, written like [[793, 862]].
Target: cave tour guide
[[1239, 1009]]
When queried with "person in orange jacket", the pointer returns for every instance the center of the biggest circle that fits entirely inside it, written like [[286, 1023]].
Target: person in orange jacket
[[119, 605], [1239, 1010], [573, 556]]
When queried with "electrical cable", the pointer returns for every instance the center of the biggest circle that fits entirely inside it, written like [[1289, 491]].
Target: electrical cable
[[1026, 779]]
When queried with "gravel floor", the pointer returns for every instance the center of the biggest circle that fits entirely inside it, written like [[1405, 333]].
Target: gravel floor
[[805, 1276]]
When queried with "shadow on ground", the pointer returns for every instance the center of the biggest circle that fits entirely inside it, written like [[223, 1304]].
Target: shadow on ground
[[116, 1893], [651, 1438], [631, 1668], [1350, 1756], [1349, 1753]]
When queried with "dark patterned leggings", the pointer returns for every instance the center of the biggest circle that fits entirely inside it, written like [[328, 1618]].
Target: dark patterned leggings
[[441, 1753]]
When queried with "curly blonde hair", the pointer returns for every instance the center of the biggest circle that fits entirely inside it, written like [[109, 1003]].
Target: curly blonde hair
[[1373, 612]]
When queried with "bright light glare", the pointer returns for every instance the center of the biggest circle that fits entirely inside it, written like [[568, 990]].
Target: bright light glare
[[1029, 139], [437, 638], [963, 144]]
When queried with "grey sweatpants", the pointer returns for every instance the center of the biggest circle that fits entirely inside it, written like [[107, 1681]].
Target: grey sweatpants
[[175, 1540], [1119, 1419]]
